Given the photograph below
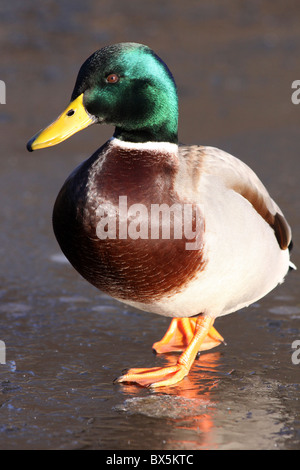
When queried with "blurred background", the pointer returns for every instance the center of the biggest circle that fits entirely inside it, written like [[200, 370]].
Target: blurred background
[[234, 63]]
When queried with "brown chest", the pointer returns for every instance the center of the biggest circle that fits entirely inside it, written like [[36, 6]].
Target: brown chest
[[128, 232]]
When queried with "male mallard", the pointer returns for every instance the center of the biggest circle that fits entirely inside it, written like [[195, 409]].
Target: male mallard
[[235, 249]]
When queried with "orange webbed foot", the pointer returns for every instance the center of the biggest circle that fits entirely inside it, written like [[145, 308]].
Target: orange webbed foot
[[165, 376], [155, 376], [179, 335]]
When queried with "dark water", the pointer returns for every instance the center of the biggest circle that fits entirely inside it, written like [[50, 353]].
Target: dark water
[[65, 342]]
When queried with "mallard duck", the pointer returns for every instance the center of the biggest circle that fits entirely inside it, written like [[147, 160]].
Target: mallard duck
[[216, 243]]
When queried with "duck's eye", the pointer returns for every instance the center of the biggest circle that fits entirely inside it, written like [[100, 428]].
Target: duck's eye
[[112, 78]]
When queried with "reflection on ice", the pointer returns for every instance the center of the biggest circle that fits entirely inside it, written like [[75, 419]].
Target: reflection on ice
[[165, 406]]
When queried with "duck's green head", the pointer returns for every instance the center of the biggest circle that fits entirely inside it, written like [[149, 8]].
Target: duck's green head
[[125, 85]]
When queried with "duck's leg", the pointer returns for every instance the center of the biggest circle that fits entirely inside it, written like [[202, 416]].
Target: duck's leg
[[164, 376], [180, 334]]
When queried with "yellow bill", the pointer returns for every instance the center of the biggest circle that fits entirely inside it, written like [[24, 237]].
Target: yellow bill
[[73, 119]]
